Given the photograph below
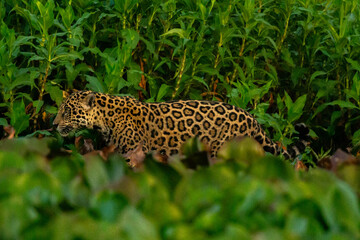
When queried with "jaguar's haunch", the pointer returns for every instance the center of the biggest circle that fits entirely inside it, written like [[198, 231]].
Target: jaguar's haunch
[[162, 127]]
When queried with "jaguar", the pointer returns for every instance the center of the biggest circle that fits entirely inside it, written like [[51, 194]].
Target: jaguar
[[163, 127]]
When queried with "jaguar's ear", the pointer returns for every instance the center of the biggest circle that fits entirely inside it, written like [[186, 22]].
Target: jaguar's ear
[[89, 101]]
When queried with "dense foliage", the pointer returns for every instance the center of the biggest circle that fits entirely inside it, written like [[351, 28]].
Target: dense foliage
[[285, 61], [45, 195]]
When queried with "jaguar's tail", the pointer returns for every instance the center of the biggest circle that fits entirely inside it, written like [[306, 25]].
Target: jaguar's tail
[[299, 146]]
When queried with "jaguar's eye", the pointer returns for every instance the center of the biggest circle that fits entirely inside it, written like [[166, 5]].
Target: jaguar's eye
[[66, 112]]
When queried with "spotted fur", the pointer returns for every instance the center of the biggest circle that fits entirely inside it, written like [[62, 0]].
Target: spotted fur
[[162, 127]]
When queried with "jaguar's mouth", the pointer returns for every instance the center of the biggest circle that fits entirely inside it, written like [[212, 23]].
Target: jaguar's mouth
[[64, 132]]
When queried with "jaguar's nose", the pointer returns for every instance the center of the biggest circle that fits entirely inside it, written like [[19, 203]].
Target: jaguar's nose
[[56, 120]]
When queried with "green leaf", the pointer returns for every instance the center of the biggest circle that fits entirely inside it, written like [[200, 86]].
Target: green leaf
[[340, 103], [201, 80], [38, 104], [51, 109], [73, 72], [20, 81], [343, 104], [131, 36], [240, 71], [42, 132], [341, 207], [18, 117], [355, 138], [94, 84], [67, 16], [79, 193], [108, 205], [124, 5], [47, 15], [354, 64], [286, 56], [24, 146], [150, 46], [105, 15], [206, 68], [356, 87], [3, 122], [165, 174], [288, 101], [61, 53], [36, 58], [82, 18], [163, 90], [319, 109], [315, 75], [295, 109], [297, 74], [116, 84], [145, 229], [55, 92], [96, 173], [175, 31], [134, 74], [32, 18]]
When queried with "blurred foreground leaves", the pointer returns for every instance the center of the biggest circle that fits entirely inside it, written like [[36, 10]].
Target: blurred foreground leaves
[[244, 195]]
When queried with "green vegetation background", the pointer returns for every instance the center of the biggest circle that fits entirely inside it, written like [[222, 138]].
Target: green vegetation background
[[284, 61]]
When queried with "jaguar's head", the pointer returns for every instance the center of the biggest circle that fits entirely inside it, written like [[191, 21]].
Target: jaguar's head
[[76, 112]]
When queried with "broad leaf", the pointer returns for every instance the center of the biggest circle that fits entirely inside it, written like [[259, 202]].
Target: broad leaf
[[94, 84], [19, 118]]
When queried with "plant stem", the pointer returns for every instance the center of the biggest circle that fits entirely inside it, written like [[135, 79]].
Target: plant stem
[[124, 21], [42, 90], [181, 71], [285, 32]]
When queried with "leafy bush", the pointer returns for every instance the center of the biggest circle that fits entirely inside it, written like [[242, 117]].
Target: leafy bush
[[246, 196]]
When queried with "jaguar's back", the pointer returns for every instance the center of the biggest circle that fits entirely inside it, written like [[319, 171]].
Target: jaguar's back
[[170, 124]]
